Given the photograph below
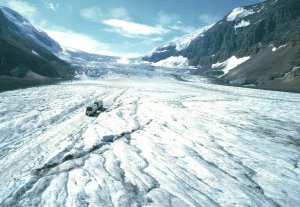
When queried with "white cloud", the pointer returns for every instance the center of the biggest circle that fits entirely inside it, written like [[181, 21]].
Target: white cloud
[[52, 6], [119, 13], [156, 39], [92, 13], [83, 42], [182, 28], [173, 22], [96, 14], [119, 21], [208, 18], [167, 19], [78, 41], [127, 28], [24, 8]]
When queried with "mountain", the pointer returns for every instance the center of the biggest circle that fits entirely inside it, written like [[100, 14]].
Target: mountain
[[257, 45], [27, 52]]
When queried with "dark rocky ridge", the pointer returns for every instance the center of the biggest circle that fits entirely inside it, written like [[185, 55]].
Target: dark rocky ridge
[[24, 48], [274, 23]]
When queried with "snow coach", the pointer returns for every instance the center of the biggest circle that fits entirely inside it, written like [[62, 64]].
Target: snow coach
[[99, 104], [92, 109]]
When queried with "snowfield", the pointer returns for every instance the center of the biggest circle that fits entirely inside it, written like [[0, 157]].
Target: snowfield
[[230, 64], [161, 141], [173, 62], [239, 13], [242, 24]]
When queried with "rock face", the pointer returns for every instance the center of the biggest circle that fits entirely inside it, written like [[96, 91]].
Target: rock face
[[24, 48], [268, 33]]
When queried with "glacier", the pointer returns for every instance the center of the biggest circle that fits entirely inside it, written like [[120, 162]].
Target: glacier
[[164, 139]]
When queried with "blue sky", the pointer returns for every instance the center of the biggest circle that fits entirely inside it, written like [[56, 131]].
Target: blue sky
[[121, 27]]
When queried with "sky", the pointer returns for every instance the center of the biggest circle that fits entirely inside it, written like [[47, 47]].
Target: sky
[[121, 27]]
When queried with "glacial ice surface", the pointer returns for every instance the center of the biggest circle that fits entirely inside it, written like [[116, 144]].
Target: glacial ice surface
[[161, 141]]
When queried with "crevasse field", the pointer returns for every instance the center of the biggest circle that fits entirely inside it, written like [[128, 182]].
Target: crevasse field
[[162, 140]]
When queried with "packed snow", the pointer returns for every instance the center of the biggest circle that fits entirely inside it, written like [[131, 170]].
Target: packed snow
[[230, 63], [173, 62], [161, 140], [238, 13], [242, 24], [123, 60]]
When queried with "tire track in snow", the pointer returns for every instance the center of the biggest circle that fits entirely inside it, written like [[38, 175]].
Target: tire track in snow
[[55, 120], [60, 157], [51, 134], [42, 172]]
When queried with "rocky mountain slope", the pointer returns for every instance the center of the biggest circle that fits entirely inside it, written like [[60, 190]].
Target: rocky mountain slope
[[26, 52], [256, 45]]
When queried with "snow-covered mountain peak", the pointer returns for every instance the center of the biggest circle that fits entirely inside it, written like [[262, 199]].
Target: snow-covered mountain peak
[[21, 22], [21, 27], [13, 16], [183, 42]]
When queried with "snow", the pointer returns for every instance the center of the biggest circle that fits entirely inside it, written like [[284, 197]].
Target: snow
[[159, 51], [123, 60], [262, 8], [238, 13], [230, 64], [242, 24], [183, 42], [159, 142], [173, 62], [34, 52], [89, 61], [276, 48]]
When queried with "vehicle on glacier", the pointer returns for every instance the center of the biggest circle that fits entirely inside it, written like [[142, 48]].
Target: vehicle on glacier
[[93, 109], [99, 104]]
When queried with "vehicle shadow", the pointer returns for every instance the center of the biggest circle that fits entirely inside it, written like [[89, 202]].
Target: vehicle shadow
[[103, 109]]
